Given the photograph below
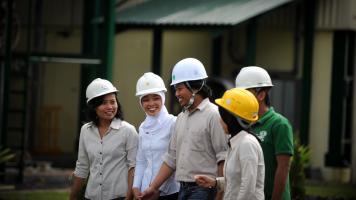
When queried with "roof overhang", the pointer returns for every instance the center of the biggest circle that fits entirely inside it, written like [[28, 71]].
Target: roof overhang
[[195, 12]]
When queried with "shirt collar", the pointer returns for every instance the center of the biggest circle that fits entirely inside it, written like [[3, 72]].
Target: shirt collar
[[234, 140], [266, 116], [116, 123], [202, 105]]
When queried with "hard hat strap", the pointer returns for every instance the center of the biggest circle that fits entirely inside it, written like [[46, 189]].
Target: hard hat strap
[[191, 89], [191, 100], [190, 103], [255, 90], [243, 123]]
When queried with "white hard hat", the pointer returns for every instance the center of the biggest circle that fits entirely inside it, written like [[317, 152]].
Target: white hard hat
[[188, 69], [253, 77], [149, 83], [99, 87]]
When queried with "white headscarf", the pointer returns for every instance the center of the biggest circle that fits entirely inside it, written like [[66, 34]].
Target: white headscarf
[[152, 123]]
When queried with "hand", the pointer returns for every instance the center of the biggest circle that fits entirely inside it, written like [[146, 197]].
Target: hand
[[150, 194], [205, 181], [137, 193]]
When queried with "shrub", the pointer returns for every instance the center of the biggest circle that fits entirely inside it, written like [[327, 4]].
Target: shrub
[[300, 161], [5, 154]]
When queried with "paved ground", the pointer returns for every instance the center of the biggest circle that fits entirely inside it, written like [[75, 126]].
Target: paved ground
[[39, 178]]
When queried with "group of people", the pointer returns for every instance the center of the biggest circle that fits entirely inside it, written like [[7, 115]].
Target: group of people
[[238, 148]]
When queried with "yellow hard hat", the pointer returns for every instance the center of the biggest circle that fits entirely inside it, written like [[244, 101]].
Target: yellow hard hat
[[241, 103]]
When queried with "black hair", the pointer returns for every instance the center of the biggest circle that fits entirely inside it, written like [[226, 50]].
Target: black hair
[[266, 90], [233, 126], [97, 101], [204, 91]]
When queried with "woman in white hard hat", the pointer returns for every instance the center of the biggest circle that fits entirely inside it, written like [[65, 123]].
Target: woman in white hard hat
[[244, 165], [107, 147], [154, 136]]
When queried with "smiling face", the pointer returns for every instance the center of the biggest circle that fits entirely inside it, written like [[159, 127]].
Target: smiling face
[[183, 94], [108, 109], [151, 104]]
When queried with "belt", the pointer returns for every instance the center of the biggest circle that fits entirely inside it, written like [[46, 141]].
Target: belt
[[187, 184]]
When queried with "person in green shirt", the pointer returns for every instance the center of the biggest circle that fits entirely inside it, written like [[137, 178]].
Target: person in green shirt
[[274, 131]]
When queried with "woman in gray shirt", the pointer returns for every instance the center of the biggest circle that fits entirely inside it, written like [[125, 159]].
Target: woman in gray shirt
[[107, 147]]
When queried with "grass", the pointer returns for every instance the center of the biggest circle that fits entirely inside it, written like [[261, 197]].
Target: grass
[[331, 190], [312, 189], [35, 195]]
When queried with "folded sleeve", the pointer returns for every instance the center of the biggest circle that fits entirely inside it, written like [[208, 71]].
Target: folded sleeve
[[82, 164]]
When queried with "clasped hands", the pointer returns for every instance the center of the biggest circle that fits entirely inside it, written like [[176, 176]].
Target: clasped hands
[[152, 193]]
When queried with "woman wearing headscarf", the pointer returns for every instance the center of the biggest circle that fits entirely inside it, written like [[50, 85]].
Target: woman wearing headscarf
[[154, 136]]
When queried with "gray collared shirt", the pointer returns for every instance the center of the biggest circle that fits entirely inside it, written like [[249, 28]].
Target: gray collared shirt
[[107, 160], [198, 143]]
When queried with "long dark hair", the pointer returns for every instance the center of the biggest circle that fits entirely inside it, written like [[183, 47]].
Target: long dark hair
[[97, 101]]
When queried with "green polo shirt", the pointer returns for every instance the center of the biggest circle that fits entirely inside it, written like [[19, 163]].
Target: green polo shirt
[[276, 135]]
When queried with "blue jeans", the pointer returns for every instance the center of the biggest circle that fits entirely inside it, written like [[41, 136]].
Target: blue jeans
[[196, 193]]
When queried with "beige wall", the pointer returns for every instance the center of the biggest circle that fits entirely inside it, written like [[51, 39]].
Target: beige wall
[[320, 97], [234, 44], [182, 44], [274, 49], [59, 86], [178, 44], [132, 59]]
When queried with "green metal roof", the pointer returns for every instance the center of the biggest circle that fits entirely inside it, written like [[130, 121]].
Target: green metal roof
[[195, 12]]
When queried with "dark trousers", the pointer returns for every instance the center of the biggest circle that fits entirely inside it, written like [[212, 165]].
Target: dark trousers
[[169, 197], [119, 198], [195, 192]]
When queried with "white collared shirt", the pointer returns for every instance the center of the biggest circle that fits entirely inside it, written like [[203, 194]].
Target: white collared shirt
[[244, 169], [107, 160], [152, 146]]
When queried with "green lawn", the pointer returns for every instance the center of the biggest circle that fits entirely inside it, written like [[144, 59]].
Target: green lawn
[[35, 195], [331, 190], [320, 189]]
